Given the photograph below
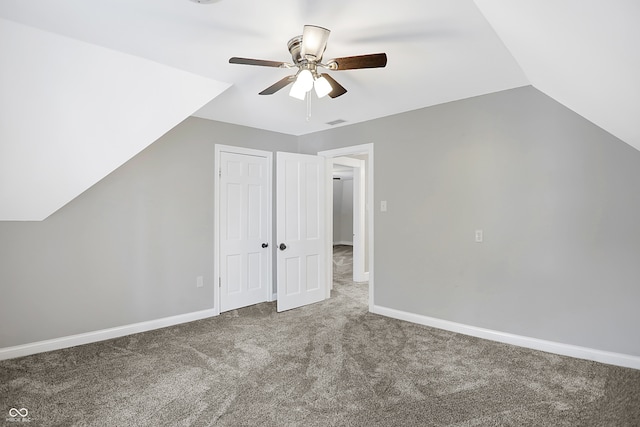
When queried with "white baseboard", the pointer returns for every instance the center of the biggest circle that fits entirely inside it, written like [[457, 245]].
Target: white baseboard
[[618, 359], [101, 335], [343, 242], [611, 358], [364, 277]]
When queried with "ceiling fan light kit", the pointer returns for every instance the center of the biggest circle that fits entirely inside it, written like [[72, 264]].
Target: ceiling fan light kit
[[306, 52], [305, 81]]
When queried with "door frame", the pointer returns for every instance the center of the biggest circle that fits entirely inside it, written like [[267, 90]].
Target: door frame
[[345, 152], [219, 148]]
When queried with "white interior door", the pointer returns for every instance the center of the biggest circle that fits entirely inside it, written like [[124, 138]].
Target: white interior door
[[301, 254], [245, 194]]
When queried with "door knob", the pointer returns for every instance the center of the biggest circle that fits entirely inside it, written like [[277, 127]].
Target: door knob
[[283, 246], [265, 245]]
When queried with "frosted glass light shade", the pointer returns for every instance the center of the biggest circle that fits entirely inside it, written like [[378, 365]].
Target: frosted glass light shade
[[302, 85], [322, 87], [305, 80], [297, 91], [314, 41]]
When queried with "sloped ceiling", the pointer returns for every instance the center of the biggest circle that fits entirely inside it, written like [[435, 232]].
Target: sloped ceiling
[[87, 85], [584, 54], [72, 112]]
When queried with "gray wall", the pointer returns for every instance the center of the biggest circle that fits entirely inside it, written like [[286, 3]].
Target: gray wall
[[128, 249], [343, 211], [556, 196]]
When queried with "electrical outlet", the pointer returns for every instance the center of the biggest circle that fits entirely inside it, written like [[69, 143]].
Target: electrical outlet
[[479, 236], [383, 206], [199, 282]]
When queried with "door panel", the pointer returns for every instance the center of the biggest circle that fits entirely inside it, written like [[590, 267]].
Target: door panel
[[244, 227], [300, 230]]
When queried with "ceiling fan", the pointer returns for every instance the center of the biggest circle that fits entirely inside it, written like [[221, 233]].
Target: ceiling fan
[[306, 51]]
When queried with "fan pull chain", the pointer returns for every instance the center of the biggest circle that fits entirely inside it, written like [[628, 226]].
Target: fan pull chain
[[309, 106]]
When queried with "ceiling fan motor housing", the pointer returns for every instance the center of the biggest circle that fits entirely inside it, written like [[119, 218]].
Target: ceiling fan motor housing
[[295, 45]]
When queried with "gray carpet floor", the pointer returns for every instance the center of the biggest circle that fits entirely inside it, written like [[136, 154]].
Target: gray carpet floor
[[328, 364]]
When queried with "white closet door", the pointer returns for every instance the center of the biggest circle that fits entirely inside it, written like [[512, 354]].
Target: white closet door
[[244, 258]]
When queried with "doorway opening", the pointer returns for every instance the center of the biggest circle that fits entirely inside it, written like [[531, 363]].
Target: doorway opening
[[353, 164]]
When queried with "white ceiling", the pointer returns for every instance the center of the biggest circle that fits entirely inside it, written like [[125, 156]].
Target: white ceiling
[[581, 53]]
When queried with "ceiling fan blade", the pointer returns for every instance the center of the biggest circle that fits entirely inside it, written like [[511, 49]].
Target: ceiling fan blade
[[337, 88], [278, 85], [260, 62], [375, 60]]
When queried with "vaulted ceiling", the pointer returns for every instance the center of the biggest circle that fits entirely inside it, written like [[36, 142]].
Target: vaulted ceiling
[[84, 86]]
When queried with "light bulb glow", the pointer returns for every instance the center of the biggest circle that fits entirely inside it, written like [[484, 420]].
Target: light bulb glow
[[302, 85], [305, 80], [322, 87], [297, 91]]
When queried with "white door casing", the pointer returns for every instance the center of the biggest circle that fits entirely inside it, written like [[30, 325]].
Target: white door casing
[[244, 269], [301, 235]]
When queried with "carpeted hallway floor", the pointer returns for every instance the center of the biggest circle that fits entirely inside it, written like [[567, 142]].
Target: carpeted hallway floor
[[329, 364]]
